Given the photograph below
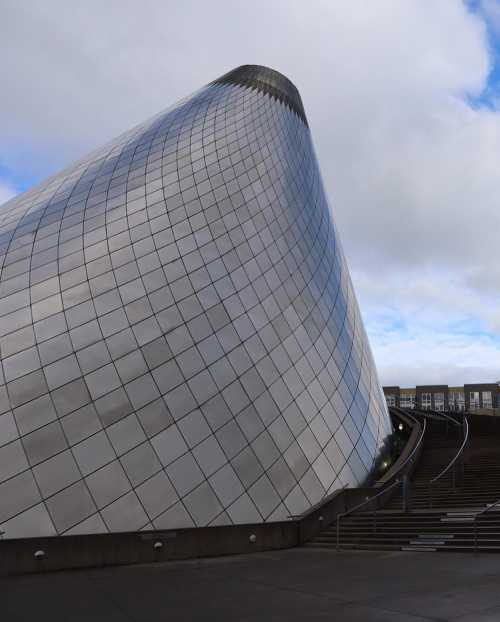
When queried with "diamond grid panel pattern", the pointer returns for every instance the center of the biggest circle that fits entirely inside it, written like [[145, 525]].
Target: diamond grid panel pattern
[[180, 341]]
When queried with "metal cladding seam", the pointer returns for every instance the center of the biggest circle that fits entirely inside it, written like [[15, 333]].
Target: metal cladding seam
[[180, 342]]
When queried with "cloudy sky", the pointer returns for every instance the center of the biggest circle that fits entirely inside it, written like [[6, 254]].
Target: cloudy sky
[[403, 100]]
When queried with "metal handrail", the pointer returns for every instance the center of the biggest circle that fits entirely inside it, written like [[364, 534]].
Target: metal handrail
[[486, 509], [462, 446], [438, 414], [443, 414], [317, 504], [360, 505], [451, 463], [397, 482], [331, 492], [448, 418]]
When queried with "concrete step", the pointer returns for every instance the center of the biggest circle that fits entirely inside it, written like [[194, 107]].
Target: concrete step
[[453, 522], [434, 536], [348, 546], [412, 533], [425, 520], [465, 529]]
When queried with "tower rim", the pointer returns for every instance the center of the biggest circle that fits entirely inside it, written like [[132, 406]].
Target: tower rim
[[269, 81]]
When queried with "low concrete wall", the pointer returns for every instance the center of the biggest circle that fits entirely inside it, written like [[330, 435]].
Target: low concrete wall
[[397, 469], [17, 556], [326, 514]]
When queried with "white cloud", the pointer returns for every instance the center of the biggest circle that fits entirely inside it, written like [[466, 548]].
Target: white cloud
[[435, 358], [411, 166], [491, 10], [425, 329], [7, 191]]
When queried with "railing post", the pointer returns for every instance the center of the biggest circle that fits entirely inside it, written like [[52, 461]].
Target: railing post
[[475, 536], [372, 500], [404, 484], [465, 428]]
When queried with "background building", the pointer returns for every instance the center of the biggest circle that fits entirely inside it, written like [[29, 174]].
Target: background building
[[470, 397], [180, 341]]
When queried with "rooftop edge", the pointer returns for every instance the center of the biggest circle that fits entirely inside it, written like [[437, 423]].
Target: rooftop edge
[[268, 81]]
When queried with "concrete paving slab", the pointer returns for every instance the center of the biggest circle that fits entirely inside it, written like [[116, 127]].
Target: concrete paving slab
[[291, 585]]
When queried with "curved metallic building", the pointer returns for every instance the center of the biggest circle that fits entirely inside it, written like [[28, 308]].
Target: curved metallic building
[[179, 338]]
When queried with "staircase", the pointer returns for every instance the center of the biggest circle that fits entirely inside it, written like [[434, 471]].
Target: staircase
[[443, 520], [415, 531]]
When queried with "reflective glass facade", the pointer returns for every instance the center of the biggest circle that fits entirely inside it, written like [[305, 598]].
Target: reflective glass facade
[[180, 341]]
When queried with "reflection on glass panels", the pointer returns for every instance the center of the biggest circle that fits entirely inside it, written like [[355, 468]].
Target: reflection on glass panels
[[179, 338]]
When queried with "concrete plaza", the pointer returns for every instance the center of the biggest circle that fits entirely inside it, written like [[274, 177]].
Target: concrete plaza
[[295, 584]]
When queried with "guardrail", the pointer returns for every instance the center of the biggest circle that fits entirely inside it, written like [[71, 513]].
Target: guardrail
[[398, 482], [486, 509], [360, 505], [452, 462], [319, 503]]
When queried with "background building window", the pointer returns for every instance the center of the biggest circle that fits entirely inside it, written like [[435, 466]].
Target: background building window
[[439, 401], [407, 401], [487, 401], [456, 401], [426, 401], [473, 400]]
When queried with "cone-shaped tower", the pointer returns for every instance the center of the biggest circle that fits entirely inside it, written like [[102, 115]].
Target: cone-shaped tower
[[180, 342]]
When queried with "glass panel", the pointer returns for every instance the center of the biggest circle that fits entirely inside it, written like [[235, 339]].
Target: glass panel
[[177, 309]]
